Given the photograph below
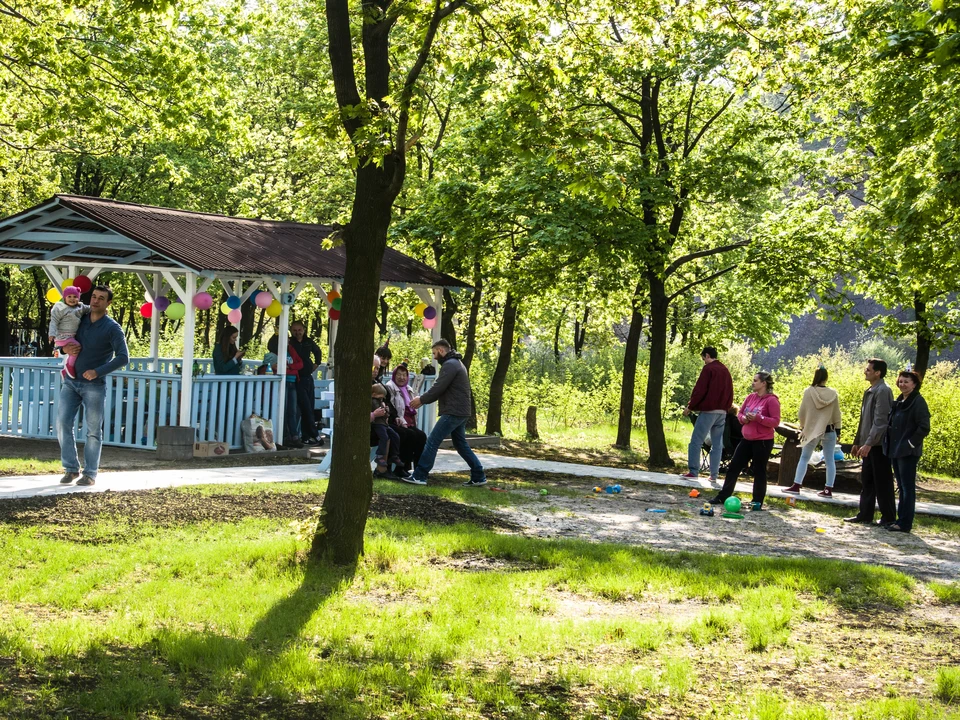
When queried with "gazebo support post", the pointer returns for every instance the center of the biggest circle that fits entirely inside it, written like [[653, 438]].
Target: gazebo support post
[[155, 325], [186, 293], [278, 426], [332, 334]]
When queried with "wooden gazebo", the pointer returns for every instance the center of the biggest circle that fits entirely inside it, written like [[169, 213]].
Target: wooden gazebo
[[183, 252]]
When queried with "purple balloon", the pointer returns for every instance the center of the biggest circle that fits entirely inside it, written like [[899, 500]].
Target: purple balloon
[[161, 303], [430, 313]]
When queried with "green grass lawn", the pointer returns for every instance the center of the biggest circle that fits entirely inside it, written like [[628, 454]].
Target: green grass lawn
[[162, 616]]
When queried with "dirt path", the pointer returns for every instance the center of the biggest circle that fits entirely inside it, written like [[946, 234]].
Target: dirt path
[[788, 532]]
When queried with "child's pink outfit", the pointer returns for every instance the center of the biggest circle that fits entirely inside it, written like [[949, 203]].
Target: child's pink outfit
[[64, 323]]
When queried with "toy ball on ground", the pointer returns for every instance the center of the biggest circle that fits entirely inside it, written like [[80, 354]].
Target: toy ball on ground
[[732, 504], [544, 491], [694, 493]]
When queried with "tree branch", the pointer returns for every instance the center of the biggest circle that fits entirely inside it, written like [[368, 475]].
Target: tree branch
[[706, 126], [694, 283], [340, 51], [684, 259]]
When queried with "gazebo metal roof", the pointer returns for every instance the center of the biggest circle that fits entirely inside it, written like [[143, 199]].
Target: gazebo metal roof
[[113, 235]]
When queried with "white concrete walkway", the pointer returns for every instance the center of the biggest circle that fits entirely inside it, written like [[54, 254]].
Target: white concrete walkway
[[447, 461]]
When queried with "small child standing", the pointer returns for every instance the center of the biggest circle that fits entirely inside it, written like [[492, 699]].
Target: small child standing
[[388, 441], [64, 323]]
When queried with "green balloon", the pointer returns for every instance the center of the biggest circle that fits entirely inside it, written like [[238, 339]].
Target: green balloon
[[732, 504], [337, 302], [175, 311]]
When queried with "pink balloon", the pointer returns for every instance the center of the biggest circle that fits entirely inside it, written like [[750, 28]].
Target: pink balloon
[[234, 315], [264, 299], [203, 301], [429, 323]]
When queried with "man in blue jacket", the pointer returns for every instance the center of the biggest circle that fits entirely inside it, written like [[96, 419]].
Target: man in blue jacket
[[102, 349]]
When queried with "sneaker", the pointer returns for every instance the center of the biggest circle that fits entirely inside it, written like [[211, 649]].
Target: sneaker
[[690, 476], [886, 523], [68, 478], [714, 480], [857, 520], [826, 492], [717, 500], [400, 472], [410, 479], [384, 475], [756, 506], [293, 444], [312, 442], [793, 489], [475, 483], [86, 480]]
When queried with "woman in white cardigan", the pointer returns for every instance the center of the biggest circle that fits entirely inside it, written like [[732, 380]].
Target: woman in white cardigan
[[820, 422]]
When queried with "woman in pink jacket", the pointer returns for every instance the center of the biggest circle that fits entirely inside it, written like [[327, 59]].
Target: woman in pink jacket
[[759, 415]]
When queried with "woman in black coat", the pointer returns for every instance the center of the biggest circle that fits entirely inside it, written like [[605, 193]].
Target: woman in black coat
[[903, 444]]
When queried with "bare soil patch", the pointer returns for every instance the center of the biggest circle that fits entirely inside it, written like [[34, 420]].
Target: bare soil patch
[[70, 516], [577, 512]]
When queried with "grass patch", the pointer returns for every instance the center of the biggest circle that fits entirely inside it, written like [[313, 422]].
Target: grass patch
[[149, 616], [948, 685], [946, 592]]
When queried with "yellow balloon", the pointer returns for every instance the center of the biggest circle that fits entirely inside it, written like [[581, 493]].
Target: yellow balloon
[[419, 309], [225, 309], [274, 308], [53, 295], [66, 283]]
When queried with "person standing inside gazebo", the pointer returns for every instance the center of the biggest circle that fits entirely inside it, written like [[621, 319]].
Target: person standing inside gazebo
[[101, 348], [309, 352]]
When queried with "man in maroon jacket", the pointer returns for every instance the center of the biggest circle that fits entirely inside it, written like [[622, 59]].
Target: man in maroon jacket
[[712, 397]]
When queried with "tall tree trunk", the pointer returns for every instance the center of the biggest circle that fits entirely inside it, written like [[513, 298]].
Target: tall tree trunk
[[499, 379], [924, 336], [4, 309], [471, 347], [556, 339], [45, 347], [248, 313], [580, 332], [384, 315], [659, 305], [447, 329], [339, 535], [628, 385]]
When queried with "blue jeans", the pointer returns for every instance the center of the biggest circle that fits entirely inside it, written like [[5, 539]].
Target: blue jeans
[[707, 424], [905, 468], [73, 394], [451, 425], [829, 441]]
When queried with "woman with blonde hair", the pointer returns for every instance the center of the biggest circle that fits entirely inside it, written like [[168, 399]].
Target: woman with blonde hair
[[820, 420]]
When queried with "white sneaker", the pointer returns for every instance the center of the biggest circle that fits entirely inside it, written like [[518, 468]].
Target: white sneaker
[[410, 479]]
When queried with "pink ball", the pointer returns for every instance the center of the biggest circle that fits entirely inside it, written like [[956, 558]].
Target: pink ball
[[264, 299], [203, 301], [429, 323], [234, 316]]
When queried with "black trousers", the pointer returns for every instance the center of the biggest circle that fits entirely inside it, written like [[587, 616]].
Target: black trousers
[[757, 451], [412, 442], [306, 401], [877, 478]]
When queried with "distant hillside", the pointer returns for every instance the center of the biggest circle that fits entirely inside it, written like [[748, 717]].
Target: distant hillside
[[808, 334]]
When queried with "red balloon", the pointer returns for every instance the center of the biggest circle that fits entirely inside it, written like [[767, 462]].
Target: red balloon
[[84, 283], [146, 310], [334, 314]]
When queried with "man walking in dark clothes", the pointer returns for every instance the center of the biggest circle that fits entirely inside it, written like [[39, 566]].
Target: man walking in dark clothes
[[309, 352]]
